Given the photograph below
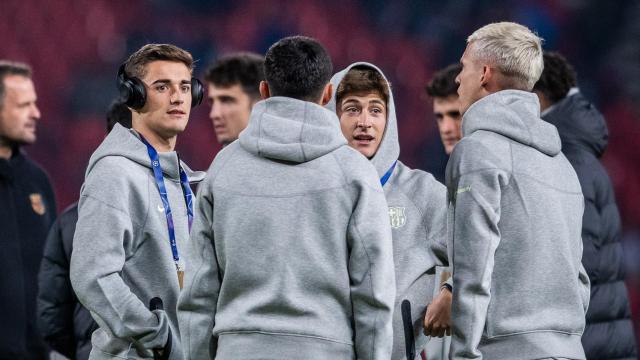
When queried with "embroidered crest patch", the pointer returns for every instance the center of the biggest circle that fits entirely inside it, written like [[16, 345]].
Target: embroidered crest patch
[[37, 204], [397, 216]]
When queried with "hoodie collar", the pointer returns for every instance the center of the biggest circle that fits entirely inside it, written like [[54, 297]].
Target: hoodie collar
[[389, 149], [126, 143], [579, 123], [516, 115], [288, 129]]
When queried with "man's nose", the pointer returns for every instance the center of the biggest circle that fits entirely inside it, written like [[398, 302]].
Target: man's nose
[[215, 112], [365, 120], [35, 112], [177, 96]]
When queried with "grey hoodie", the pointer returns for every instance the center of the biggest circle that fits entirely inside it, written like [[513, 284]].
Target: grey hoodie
[[290, 252], [417, 211], [519, 288], [121, 253]]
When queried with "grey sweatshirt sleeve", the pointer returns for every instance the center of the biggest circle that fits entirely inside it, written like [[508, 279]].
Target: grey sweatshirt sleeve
[[103, 231], [197, 302], [475, 238], [436, 218], [372, 275]]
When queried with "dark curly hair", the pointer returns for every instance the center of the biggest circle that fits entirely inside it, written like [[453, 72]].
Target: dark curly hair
[[557, 78], [245, 69], [443, 84], [297, 67]]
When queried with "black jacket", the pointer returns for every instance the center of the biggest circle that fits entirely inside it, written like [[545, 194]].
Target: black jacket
[[583, 130], [27, 210], [64, 323]]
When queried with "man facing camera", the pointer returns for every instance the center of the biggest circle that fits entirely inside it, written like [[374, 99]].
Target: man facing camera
[[135, 211], [417, 206], [233, 82], [519, 289]]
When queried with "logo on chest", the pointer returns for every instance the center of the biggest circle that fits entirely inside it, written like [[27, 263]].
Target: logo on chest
[[397, 216]]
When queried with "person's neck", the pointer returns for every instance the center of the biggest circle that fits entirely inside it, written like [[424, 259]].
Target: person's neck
[[5, 150], [160, 143]]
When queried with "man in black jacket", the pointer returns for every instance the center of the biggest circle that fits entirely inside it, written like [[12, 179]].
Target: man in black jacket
[[64, 323], [583, 131], [27, 209]]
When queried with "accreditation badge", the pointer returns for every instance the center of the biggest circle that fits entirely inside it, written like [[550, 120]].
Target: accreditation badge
[[180, 278]]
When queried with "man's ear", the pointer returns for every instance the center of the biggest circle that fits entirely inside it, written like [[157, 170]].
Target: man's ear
[[264, 90], [327, 93], [487, 75]]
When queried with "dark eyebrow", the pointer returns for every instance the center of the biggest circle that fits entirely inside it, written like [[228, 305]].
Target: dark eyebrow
[[380, 102], [167, 81], [350, 101]]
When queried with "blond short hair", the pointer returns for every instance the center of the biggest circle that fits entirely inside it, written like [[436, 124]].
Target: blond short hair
[[513, 49]]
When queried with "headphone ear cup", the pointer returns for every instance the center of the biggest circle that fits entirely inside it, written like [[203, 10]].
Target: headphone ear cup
[[138, 94], [197, 92], [132, 90]]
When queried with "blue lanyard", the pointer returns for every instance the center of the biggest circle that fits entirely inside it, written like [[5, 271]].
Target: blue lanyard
[[186, 190], [387, 175]]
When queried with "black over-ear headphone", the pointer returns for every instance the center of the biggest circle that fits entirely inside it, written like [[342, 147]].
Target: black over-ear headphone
[[134, 94]]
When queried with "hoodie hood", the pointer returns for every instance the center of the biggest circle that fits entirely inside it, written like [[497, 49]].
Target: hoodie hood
[[389, 149], [516, 115], [288, 129], [579, 123], [126, 143]]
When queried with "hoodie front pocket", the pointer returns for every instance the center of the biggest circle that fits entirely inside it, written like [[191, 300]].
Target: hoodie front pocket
[[110, 345]]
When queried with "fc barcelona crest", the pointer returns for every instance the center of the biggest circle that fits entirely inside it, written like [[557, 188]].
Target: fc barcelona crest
[[397, 217], [37, 204]]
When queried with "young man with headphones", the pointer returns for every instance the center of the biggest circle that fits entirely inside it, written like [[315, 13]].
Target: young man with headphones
[[135, 212]]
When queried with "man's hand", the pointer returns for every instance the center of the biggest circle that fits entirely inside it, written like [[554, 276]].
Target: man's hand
[[437, 320]]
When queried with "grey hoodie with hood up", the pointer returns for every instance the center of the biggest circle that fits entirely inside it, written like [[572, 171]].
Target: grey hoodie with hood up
[[417, 212], [121, 255], [519, 288], [290, 254]]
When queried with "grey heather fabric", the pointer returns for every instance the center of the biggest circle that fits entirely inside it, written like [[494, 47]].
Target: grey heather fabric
[[121, 253], [291, 248], [519, 288], [417, 211]]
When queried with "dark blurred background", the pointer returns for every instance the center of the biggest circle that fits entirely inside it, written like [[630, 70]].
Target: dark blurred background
[[76, 46]]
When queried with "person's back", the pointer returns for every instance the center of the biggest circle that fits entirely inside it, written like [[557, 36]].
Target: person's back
[[520, 291], [301, 264], [583, 131]]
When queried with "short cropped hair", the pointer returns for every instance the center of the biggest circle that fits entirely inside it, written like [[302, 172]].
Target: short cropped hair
[[362, 80], [513, 49], [443, 84], [118, 113], [297, 67], [245, 69], [135, 66], [558, 77], [8, 68]]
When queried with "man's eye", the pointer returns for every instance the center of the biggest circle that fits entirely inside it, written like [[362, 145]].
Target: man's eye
[[351, 109], [161, 87], [186, 88]]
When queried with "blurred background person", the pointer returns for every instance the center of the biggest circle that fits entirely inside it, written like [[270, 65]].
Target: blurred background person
[[27, 210], [443, 90], [584, 135], [233, 84], [64, 323]]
